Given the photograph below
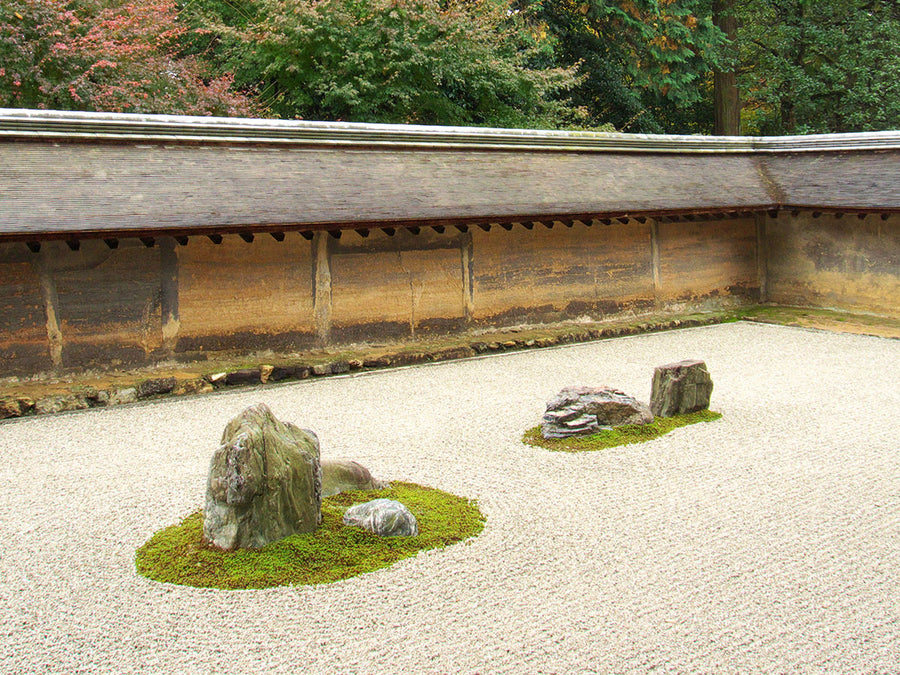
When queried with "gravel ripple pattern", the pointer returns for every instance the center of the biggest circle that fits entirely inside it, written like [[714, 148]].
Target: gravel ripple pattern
[[767, 541]]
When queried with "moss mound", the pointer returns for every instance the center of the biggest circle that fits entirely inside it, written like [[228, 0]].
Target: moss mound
[[333, 552], [610, 438]]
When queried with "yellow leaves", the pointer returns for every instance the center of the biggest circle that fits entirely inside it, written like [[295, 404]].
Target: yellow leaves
[[665, 43], [18, 16], [632, 9], [584, 8]]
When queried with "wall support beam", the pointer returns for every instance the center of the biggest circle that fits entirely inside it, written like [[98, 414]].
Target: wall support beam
[[51, 310], [168, 284], [654, 259], [322, 285], [762, 257], [467, 255]]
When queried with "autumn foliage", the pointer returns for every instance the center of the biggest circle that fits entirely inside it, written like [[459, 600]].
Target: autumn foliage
[[111, 56]]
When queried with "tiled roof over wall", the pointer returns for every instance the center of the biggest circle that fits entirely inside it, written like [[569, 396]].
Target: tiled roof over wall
[[65, 175]]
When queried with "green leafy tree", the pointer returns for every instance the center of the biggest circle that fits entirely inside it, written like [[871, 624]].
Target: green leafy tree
[[824, 66], [407, 61], [646, 65]]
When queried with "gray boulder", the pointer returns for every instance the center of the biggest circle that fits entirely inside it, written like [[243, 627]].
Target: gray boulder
[[265, 482], [679, 388], [342, 475], [581, 411], [384, 517]]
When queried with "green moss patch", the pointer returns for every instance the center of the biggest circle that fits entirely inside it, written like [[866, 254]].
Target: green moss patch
[[334, 551], [610, 438]]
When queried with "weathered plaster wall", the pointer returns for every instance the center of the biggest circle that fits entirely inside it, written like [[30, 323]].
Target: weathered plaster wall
[[708, 261], [134, 304], [93, 306], [396, 286], [108, 301], [549, 274], [843, 263], [235, 294], [23, 326]]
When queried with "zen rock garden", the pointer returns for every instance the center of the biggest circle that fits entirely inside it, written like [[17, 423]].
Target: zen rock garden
[[268, 482], [267, 479], [678, 388]]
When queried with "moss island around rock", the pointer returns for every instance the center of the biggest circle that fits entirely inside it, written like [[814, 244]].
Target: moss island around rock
[[334, 551], [616, 436]]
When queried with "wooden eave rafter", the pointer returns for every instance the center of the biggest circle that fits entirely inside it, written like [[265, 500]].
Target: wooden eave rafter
[[150, 237]]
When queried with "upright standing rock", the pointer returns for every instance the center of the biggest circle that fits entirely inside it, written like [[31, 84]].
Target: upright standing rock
[[679, 388], [265, 482]]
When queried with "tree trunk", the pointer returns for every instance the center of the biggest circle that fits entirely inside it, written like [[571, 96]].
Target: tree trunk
[[727, 99]]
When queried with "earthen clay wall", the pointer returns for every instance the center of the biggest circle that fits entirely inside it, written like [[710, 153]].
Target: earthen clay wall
[[550, 274], [258, 295], [102, 307], [98, 306], [703, 261], [844, 263]]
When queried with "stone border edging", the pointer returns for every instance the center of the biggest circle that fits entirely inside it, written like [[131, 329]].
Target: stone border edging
[[87, 397]]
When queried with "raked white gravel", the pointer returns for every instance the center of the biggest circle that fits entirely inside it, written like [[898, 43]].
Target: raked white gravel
[[768, 541]]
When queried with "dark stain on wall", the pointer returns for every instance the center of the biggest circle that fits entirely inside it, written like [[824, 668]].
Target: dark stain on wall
[[825, 255], [871, 248], [21, 358], [392, 330], [748, 292], [572, 310], [99, 354], [247, 341], [603, 308], [517, 315]]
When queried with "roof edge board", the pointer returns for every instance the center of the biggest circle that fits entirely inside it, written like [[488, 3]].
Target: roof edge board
[[81, 126]]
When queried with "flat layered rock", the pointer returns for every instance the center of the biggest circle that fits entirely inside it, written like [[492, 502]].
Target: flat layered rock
[[581, 411]]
